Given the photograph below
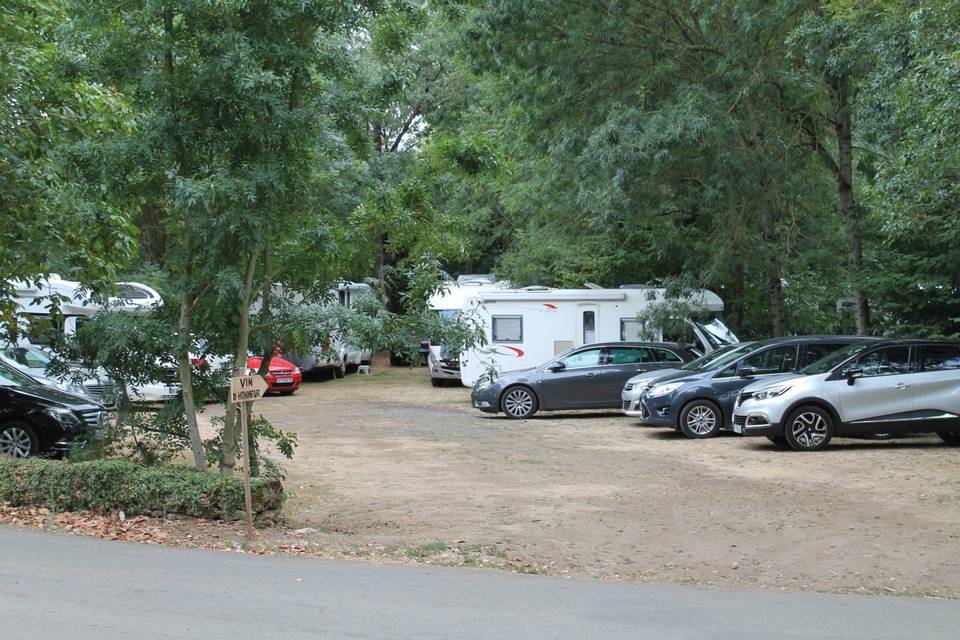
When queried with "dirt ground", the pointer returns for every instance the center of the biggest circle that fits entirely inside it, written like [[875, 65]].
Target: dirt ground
[[387, 464]]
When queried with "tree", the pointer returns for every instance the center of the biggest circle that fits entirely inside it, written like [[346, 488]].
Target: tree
[[53, 214]]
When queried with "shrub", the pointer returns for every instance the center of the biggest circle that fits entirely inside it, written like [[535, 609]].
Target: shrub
[[111, 485]]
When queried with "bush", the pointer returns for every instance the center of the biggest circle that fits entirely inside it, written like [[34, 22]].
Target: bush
[[112, 485]]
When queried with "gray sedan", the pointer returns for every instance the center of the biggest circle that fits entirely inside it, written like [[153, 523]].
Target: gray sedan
[[586, 377]]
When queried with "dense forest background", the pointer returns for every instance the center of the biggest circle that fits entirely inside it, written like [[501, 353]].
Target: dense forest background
[[799, 157]]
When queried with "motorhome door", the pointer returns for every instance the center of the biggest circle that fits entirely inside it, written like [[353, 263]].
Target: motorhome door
[[587, 323]]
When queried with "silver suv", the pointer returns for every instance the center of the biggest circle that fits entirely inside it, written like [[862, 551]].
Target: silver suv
[[889, 386]]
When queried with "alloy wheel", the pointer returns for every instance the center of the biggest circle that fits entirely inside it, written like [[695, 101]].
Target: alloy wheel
[[16, 442], [701, 420], [809, 429], [518, 403]]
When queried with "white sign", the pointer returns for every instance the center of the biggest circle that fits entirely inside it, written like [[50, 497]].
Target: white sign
[[246, 388]]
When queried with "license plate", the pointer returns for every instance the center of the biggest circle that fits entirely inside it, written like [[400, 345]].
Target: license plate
[[284, 380], [737, 428]]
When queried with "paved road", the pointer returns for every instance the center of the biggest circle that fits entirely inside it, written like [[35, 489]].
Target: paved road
[[54, 586]]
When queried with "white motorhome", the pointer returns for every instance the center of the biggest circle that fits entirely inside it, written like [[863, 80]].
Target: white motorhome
[[450, 302], [344, 357], [526, 327], [74, 304]]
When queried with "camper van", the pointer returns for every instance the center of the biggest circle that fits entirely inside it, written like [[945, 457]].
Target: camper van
[[35, 303], [449, 302], [344, 357], [526, 327]]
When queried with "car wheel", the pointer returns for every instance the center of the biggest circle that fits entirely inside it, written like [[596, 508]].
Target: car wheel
[[808, 429], [340, 371], [518, 403], [780, 441], [701, 419], [17, 439], [952, 438], [437, 382]]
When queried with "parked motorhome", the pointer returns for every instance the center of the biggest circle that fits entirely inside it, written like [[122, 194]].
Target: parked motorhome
[[35, 301], [526, 327], [340, 357], [443, 365]]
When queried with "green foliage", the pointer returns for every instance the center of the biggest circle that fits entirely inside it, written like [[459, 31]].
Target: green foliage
[[114, 485]]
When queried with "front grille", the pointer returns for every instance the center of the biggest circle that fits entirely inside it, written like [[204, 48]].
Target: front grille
[[105, 393], [95, 421], [743, 395], [740, 420], [286, 372], [626, 405]]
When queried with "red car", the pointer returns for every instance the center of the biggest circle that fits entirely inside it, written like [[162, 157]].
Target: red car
[[284, 377]]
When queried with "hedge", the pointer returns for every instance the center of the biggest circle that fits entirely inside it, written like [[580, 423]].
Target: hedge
[[113, 485]]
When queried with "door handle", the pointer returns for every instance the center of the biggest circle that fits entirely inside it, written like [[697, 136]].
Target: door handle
[[641, 370], [901, 385], [594, 373]]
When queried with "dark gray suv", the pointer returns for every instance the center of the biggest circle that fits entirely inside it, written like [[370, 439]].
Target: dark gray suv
[[586, 377]]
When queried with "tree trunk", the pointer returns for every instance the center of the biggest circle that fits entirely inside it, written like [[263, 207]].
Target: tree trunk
[[186, 381], [774, 279], [229, 459], [737, 292], [839, 103]]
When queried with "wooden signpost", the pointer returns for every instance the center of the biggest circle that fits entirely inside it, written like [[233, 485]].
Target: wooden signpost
[[243, 391]]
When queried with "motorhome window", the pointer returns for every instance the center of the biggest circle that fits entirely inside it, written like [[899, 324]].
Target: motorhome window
[[342, 295], [630, 330], [628, 355], [589, 327], [775, 360], [129, 292], [580, 359], [665, 355], [508, 328]]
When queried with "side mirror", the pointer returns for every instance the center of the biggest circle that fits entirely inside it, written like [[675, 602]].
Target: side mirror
[[557, 366], [747, 372], [852, 374]]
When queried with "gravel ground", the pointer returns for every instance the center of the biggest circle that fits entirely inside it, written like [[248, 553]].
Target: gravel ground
[[388, 465]]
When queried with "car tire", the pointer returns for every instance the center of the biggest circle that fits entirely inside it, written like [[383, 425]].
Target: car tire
[[288, 393], [808, 428], [340, 371], [952, 438], [780, 441], [18, 439], [519, 402], [701, 419], [437, 382]]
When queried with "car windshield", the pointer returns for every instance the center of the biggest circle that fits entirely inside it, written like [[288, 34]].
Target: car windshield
[[720, 358], [11, 378], [828, 362], [28, 357]]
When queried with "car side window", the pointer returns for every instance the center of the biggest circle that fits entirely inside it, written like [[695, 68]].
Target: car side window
[[775, 360], [813, 352], [940, 357], [627, 355], [665, 355], [580, 359], [884, 362]]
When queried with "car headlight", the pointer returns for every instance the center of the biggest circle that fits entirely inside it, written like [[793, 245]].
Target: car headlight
[[66, 418], [769, 392], [482, 384], [663, 389], [296, 370]]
